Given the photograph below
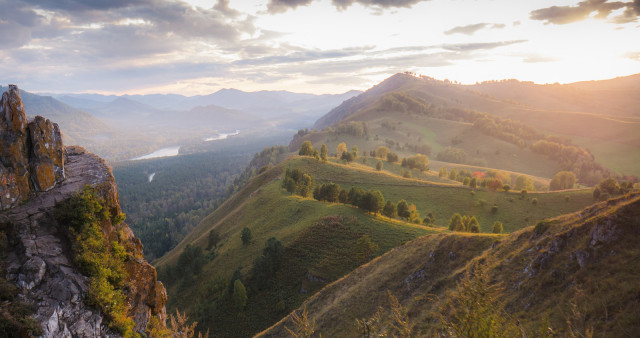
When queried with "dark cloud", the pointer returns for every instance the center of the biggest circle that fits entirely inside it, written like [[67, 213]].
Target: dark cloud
[[471, 29], [561, 15], [279, 6]]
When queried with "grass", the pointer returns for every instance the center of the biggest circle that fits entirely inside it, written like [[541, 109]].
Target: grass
[[319, 253], [538, 277], [443, 200], [621, 158], [322, 249]]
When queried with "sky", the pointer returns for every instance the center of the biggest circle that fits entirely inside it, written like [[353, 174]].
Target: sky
[[195, 47]]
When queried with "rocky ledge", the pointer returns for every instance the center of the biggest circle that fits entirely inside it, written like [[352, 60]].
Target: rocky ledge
[[40, 262], [36, 172]]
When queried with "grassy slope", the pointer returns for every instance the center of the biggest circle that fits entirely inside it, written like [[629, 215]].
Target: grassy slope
[[560, 117], [443, 200], [324, 251], [537, 266], [327, 252]]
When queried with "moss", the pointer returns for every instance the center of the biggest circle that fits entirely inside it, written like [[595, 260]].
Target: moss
[[97, 257]]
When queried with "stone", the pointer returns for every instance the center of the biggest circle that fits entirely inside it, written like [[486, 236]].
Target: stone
[[47, 157], [14, 153], [41, 262], [31, 153]]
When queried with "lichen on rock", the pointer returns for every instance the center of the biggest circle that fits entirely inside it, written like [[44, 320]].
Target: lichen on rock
[[31, 153]]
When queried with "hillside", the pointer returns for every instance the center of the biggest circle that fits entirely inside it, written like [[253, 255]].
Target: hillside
[[608, 128], [574, 274], [318, 238]]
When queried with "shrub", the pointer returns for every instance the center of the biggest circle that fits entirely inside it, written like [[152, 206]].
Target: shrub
[[497, 227], [306, 149], [494, 209], [97, 257], [239, 295], [389, 209], [506, 187], [534, 201], [246, 236]]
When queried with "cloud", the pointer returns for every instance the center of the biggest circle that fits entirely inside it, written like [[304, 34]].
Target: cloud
[[479, 45], [561, 15], [633, 56], [471, 29], [279, 6]]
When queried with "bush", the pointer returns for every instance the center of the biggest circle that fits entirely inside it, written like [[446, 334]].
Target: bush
[[306, 149], [389, 209], [534, 201], [497, 227], [239, 295], [379, 166], [494, 209], [246, 236], [506, 187], [97, 257]]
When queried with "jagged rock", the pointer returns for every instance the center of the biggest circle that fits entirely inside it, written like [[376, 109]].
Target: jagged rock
[[46, 158], [14, 153], [41, 264], [31, 153]]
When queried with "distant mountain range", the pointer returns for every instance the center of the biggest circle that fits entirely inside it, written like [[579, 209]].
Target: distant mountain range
[[294, 110]]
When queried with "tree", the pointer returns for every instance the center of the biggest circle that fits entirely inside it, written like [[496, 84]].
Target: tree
[[473, 183], [610, 186], [356, 195], [239, 295], [382, 152], [343, 197], [563, 180], [246, 236], [524, 183], [306, 149], [355, 151], [347, 156], [214, 238], [414, 216], [392, 157], [596, 193], [403, 209], [506, 187], [323, 152], [365, 248], [443, 172], [389, 209], [305, 187], [290, 185], [473, 225], [420, 162], [497, 227], [379, 166], [374, 201], [455, 223], [341, 148]]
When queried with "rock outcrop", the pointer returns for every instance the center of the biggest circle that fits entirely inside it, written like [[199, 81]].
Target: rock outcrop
[[35, 165], [31, 153]]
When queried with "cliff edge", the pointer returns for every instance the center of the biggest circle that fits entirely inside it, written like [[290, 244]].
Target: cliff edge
[[36, 174]]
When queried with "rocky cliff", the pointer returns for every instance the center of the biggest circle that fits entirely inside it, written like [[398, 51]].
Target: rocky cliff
[[30, 154], [36, 173]]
